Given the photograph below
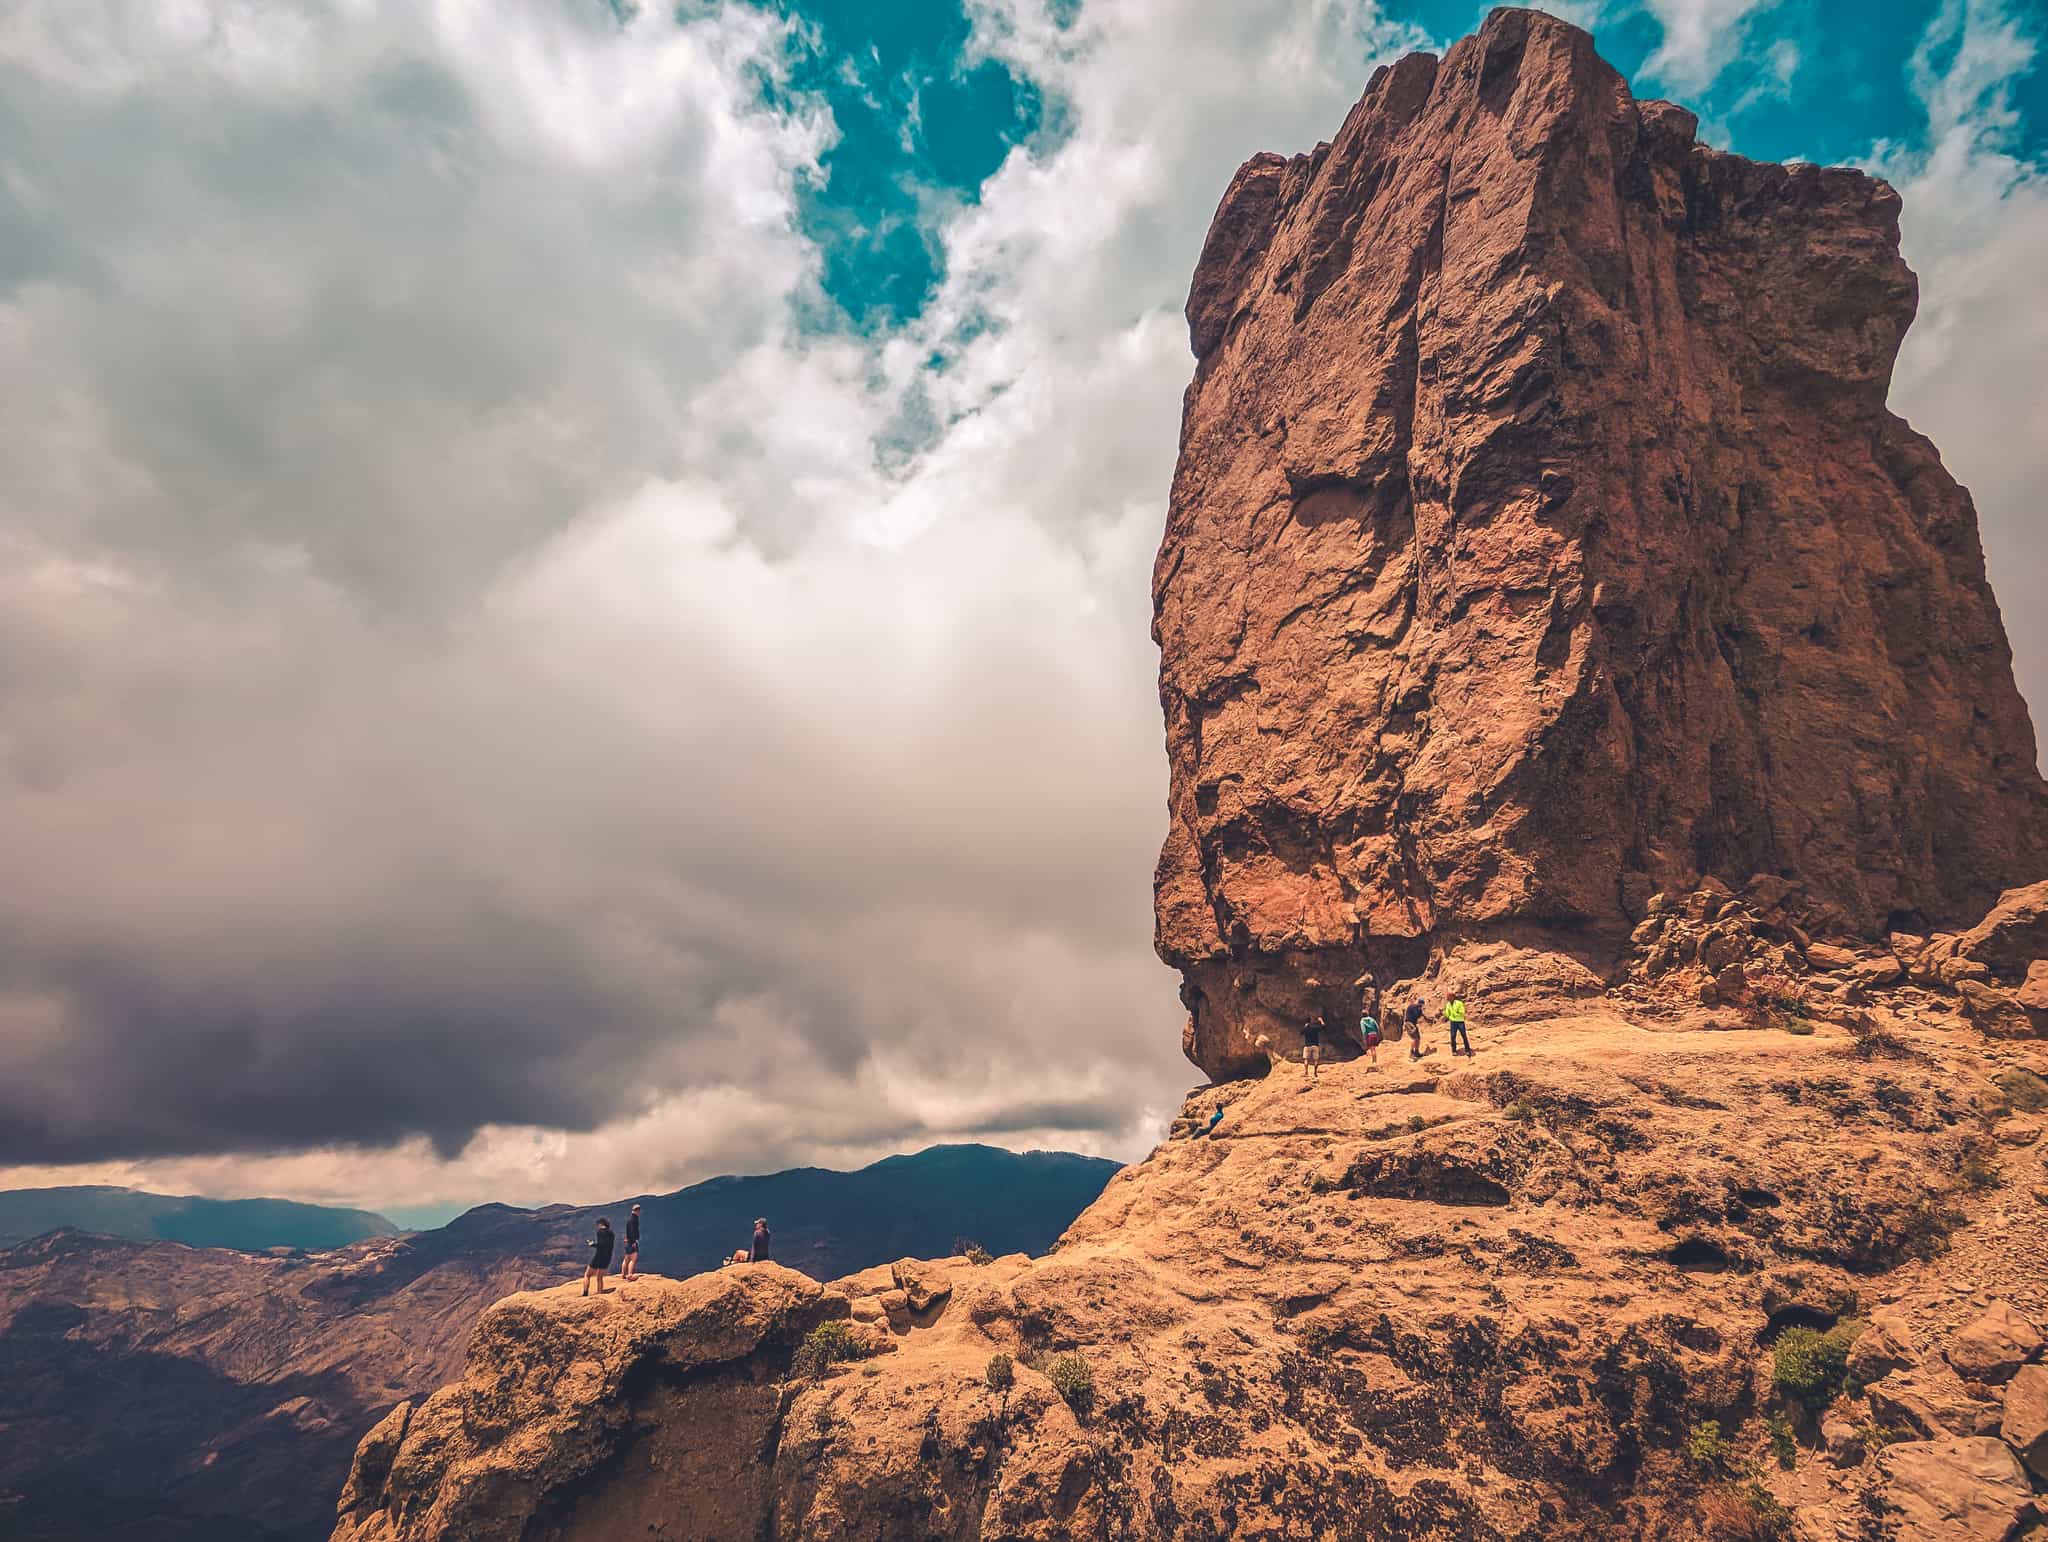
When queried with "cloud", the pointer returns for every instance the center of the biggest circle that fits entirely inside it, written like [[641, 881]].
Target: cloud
[[1974, 226], [495, 705], [1701, 39]]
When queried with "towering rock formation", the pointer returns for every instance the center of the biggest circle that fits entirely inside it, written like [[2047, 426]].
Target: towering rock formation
[[1541, 540]]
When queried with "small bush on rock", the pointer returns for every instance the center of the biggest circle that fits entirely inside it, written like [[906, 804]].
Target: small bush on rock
[[1745, 1512], [1980, 1174], [1784, 1445], [1001, 1376], [1706, 1447], [827, 1345], [976, 1254], [1073, 1380], [1811, 1365]]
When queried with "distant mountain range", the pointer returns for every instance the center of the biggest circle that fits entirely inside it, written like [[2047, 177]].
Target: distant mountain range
[[161, 1392], [249, 1224]]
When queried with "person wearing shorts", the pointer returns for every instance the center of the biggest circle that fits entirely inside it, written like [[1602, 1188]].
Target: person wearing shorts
[[1369, 1037], [600, 1257], [1414, 1015], [632, 1246], [1311, 1047]]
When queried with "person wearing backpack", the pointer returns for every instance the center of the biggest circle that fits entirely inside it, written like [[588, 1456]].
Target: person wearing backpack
[[1454, 1014], [1414, 1015]]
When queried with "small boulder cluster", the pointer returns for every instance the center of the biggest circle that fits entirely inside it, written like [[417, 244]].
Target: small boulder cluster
[[1951, 1438], [1767, 948]]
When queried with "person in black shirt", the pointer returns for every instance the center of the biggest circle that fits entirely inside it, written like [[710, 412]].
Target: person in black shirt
[[600, 1256], [759, 1253], [1415, 1026], [632, 1246], [1311, 1047]]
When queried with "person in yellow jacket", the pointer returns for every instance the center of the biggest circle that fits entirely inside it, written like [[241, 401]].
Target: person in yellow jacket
[[1454, 1014]]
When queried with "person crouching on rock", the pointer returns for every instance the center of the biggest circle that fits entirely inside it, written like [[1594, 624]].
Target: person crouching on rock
[[759, 1255], [1311, 1047], [632, 1260], [1454, 1014], [600, 1256]]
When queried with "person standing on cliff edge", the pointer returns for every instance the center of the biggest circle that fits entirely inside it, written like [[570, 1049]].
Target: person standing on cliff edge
[[632, 1247], [600, 1256], [1454, 1014], [759, 1253], [1311, 1047]]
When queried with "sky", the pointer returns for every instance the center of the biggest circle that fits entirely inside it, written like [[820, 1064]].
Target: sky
[[574, 576]]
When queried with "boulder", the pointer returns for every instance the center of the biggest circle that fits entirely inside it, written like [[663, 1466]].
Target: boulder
[[1829, 957], [2033, 994], [1885, 1345], [922, 1282], [1955, 1490], [2025, 1420], [1842, 1441], [2012, 935], [1877, 970], [1994, 1346], [1930, 1405]]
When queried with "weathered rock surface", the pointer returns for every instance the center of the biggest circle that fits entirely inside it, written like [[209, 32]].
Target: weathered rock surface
[[1476, 1300], [1540, 539], [1953, 1491], [2025, 1420], [1994, 1346], [593, 1416]]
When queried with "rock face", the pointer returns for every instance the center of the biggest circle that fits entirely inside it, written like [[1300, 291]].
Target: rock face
[[1540, 540]]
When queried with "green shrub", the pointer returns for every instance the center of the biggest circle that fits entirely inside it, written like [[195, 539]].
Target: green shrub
[[825, 1346], [2023, 1090], [1073, 1380], [1521, 1113], [1706, 1447], [1000, 1376], [1811, 1365], [1784, 1445], [1801, 1025], [1417, 1124], [976, 1254]]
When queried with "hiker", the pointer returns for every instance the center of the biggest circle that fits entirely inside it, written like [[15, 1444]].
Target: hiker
[[600, 1256], [1415, 1026], [1214, 1120], [1454, 1014], [632, 1246], [759, 1254], [1311, 1047], [1369, 1036]]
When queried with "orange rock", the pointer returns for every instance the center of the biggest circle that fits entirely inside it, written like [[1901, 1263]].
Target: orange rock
[[1513, 404]]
